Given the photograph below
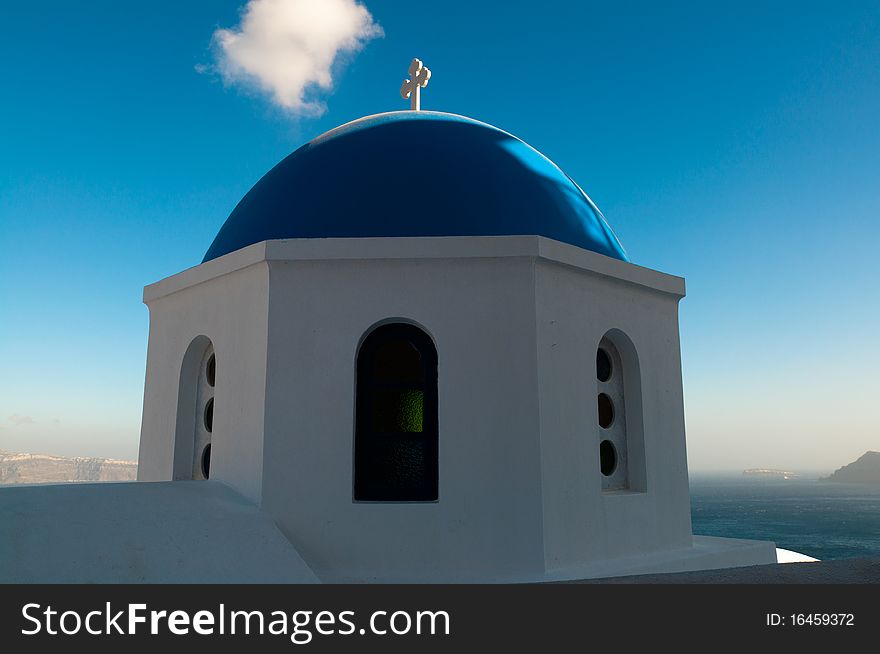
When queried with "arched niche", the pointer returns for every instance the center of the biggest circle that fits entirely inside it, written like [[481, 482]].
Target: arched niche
[[621, 443], [195, 411]]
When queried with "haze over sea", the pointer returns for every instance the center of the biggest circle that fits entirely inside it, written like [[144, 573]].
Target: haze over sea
[[826, 520]]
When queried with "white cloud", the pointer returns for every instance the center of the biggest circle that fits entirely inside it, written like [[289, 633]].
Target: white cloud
[[286, 48], [21, 420]]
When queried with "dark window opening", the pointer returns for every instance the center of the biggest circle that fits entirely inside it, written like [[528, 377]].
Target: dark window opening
[[396, 441]]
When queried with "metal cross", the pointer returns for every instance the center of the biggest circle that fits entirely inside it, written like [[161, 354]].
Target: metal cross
[[418, 79]]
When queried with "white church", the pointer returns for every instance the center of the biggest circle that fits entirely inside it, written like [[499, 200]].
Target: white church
[[415, 352]]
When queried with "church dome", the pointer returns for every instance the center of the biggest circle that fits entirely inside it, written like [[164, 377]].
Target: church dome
[[416, 173]]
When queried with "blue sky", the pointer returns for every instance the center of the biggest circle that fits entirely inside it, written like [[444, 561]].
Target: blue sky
[[735, 144]]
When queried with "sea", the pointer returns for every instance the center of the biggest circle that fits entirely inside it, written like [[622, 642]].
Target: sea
[[825, 520]]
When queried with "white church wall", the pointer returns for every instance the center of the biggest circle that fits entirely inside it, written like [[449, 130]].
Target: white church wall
[[516, 322], [480, 315], [229, 311], [576, 309]]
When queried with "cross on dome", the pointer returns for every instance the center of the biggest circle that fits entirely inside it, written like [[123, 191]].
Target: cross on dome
[[411, 87]]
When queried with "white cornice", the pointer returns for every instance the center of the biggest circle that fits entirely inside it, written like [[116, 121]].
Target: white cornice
[[417, 248]]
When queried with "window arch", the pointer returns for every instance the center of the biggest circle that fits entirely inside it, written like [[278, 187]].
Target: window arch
[[396, 436], [195, 411], [621, 451]]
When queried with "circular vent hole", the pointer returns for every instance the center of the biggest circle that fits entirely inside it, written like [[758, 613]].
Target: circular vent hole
[[211, 370], [603, 365], [606, 411], [607, 458], [209, 415], [206, 461]]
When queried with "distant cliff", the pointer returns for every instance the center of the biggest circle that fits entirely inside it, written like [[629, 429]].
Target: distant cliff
[[864, 470], [43, 468]]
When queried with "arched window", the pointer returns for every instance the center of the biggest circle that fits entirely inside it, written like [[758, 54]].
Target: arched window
[[195, 411], [621, 443], [395, 444]]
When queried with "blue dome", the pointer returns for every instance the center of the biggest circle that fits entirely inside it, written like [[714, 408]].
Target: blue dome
[[416, 173]]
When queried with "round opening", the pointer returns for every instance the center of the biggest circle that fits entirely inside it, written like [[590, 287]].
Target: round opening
[[606, 411], [209, 415], [607, 458], [603, 365], [211, 370], [206, 461]]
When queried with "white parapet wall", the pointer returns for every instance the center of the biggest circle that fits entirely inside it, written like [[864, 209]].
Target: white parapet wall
[[133, 532]]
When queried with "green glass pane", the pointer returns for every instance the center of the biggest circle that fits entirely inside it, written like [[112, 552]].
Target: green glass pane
[[398, 410]]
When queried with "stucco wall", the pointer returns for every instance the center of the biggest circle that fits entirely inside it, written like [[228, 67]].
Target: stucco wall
[[516, 322], [480, 314], [133, 532], [232, 311], [575, 309]]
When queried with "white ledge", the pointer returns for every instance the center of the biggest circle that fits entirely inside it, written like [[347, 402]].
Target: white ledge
[[417, 248]]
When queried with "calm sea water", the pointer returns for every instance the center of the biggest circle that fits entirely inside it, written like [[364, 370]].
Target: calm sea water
[[820, 519]]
